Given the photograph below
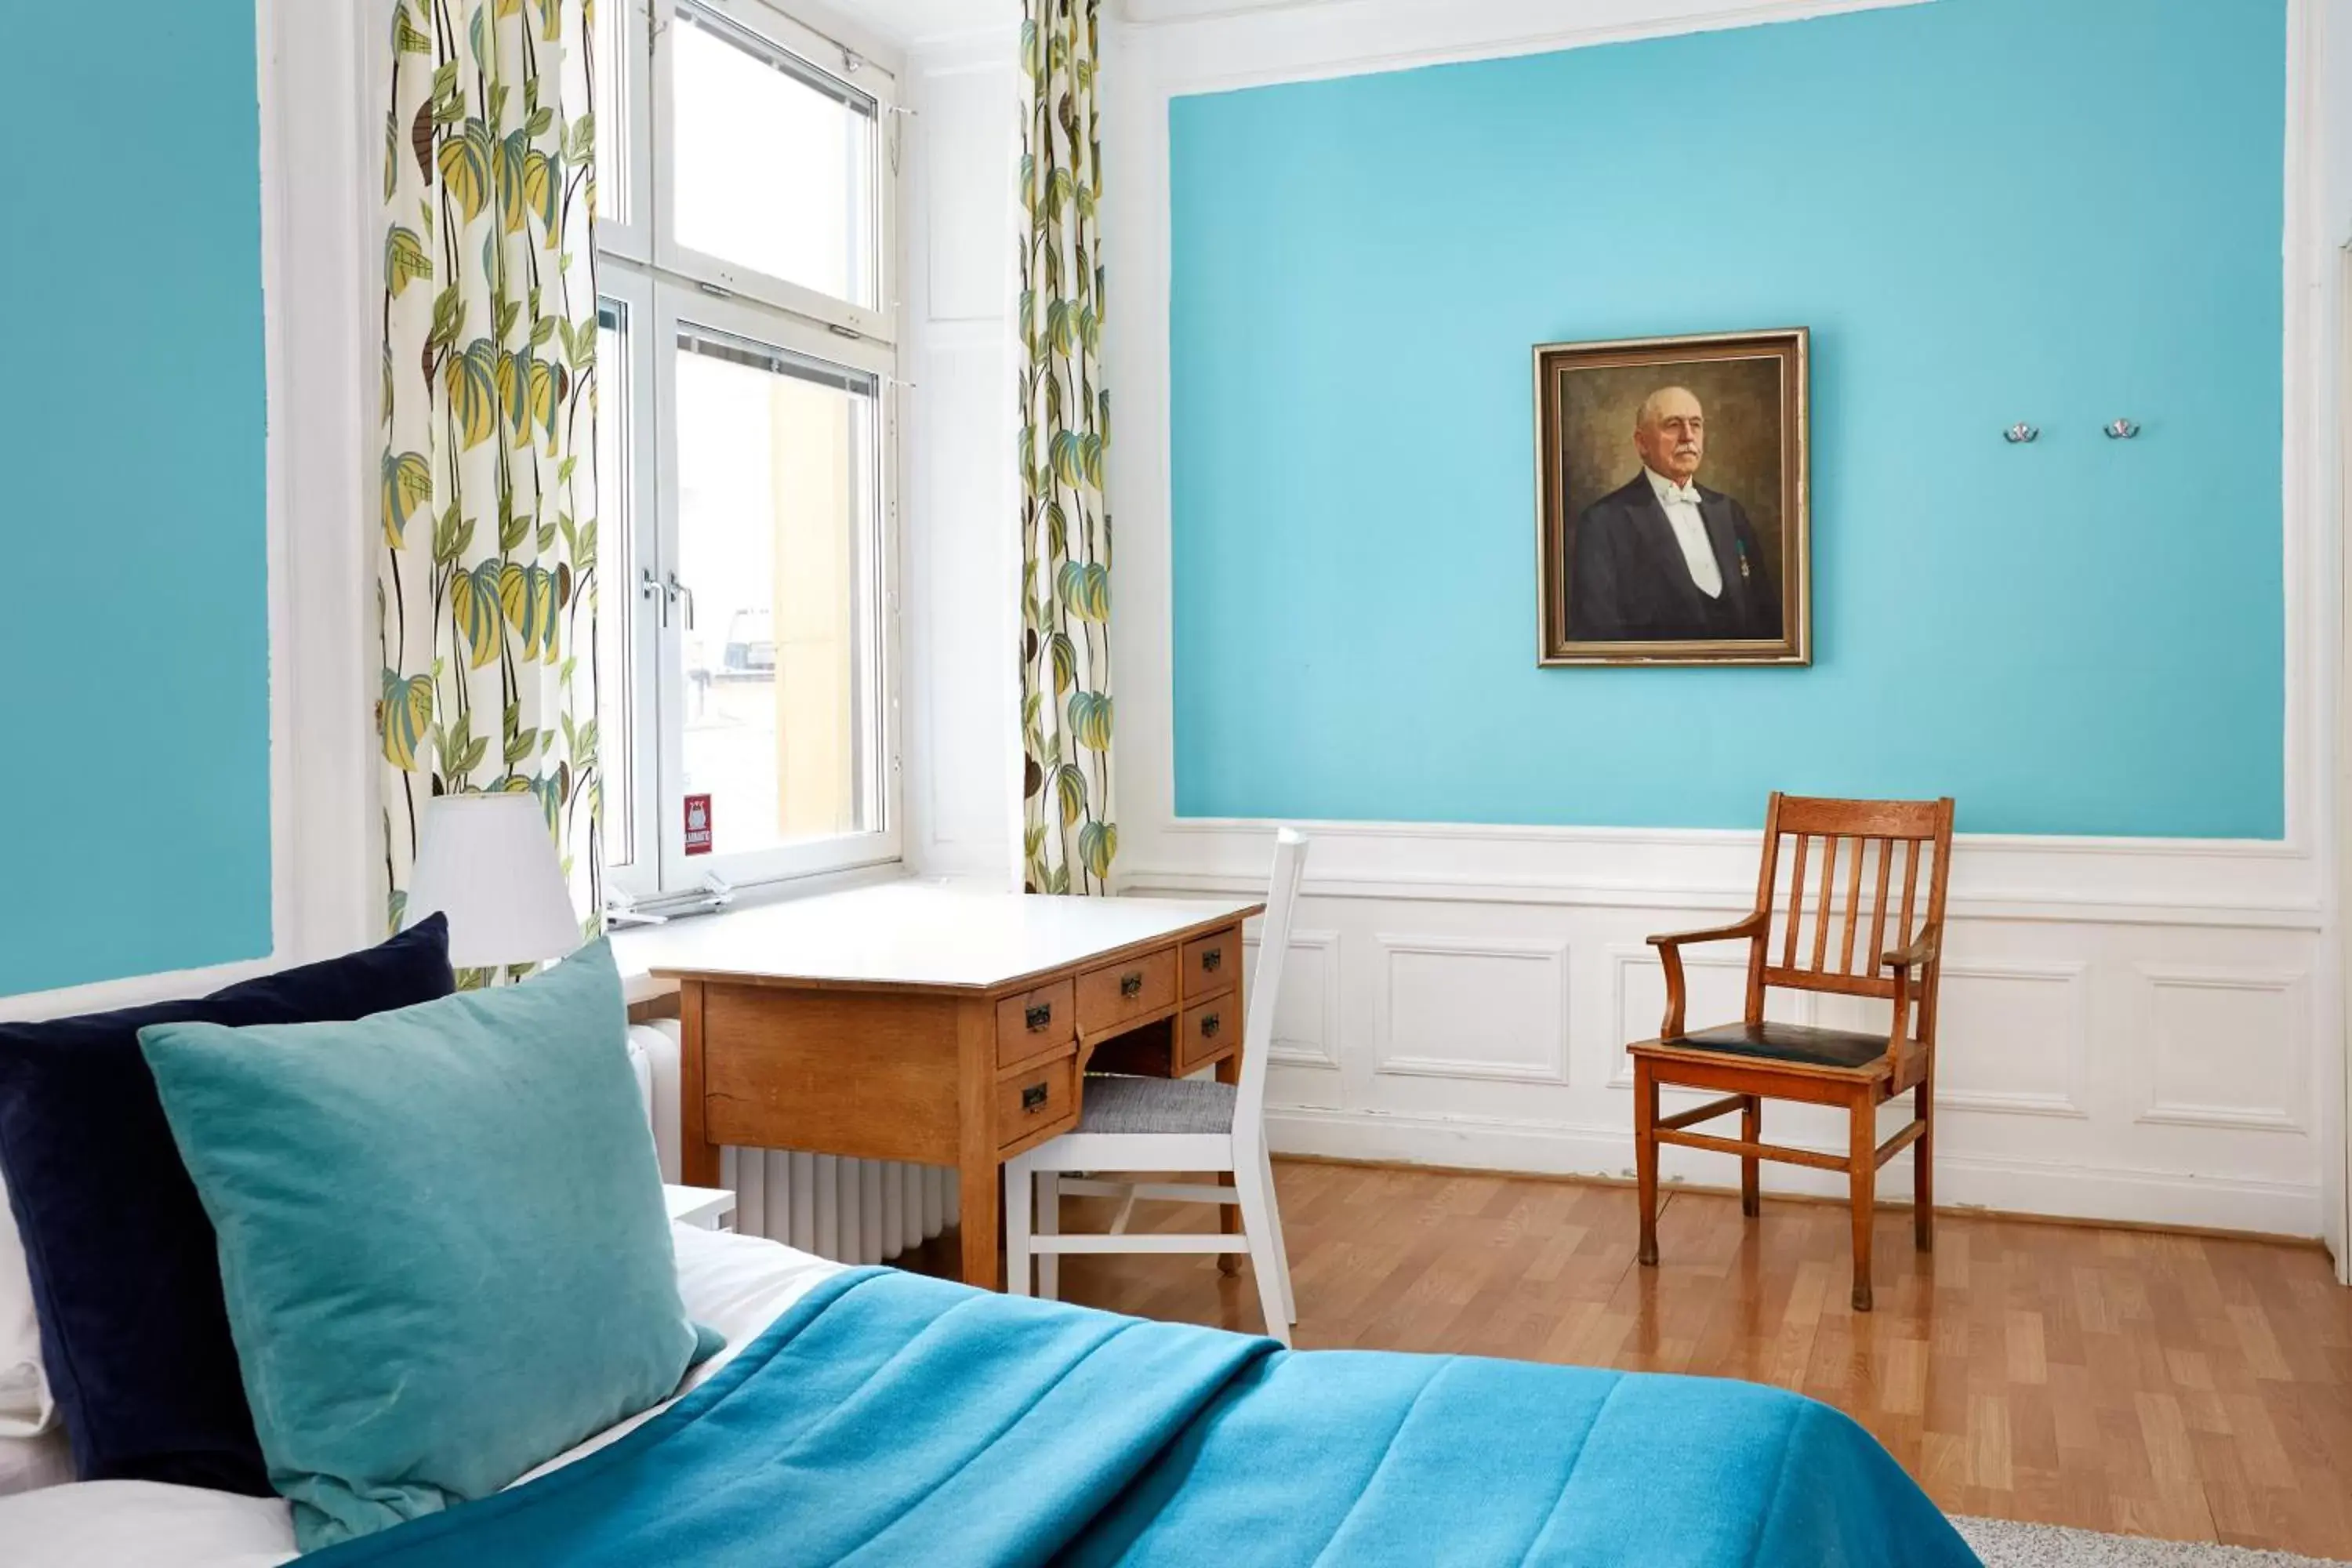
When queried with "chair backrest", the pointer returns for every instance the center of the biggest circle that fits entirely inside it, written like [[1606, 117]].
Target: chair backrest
[[1266, 985], [1870, 876]]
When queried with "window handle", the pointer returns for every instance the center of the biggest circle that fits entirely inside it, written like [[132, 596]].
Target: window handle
[[677, 591], [649, 586]]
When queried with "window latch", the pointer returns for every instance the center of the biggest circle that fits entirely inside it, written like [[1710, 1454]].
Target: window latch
[[677, 591], [649, 587]]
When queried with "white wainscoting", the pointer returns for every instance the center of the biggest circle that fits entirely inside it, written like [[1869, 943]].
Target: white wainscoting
[[2153, 1063]]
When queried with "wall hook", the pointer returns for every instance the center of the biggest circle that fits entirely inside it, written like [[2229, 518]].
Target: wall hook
[[2018, 434], [2121, 430]]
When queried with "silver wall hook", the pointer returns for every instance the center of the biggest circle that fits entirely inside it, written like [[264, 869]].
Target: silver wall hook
[[2018, 434], [2120, 430]]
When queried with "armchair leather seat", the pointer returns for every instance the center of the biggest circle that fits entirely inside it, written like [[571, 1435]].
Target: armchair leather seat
[[1787, 1043]]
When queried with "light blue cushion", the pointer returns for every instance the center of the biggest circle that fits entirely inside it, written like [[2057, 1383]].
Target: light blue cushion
[[442, 1238]]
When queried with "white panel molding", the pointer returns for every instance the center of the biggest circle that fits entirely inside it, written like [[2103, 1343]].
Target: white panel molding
[[2291, 1072], [1550, 1035], [1212, 45], [1323, 1054], [2254, 883], [2062, 1188], [2071, 1041]]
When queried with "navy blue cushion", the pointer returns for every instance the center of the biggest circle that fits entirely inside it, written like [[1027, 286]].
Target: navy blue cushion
[[126, 1282]]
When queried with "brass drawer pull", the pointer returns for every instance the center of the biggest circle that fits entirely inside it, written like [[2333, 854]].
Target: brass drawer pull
[[1130, 985], [1209, 1027], [1039, 1017], [1212, 960], [1033, 1099]]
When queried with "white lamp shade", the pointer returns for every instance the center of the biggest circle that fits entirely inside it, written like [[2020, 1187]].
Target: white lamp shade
[[488, 862]]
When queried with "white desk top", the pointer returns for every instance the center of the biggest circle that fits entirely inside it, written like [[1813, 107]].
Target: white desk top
[[910, 935]]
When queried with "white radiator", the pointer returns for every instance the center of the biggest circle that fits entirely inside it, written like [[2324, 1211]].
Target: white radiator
[[852, 1211]]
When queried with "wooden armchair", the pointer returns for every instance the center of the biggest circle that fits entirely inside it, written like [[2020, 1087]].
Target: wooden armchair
[[1754, 1060]]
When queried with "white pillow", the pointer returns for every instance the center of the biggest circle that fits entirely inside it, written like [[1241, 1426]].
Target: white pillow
[[24, 1407]]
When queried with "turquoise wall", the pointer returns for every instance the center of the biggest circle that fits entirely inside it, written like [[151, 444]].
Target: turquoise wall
[[2058, 211], [134, 681]]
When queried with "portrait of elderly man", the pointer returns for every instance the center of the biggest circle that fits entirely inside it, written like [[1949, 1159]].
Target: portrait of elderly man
[[1665, 557]]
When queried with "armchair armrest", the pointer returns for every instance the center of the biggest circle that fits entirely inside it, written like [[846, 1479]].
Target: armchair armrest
[[1754, 925], [1670, 957], [1924, 949]]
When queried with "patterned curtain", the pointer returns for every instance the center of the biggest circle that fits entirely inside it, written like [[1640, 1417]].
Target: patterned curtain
[[485, 582], [1068, 835]]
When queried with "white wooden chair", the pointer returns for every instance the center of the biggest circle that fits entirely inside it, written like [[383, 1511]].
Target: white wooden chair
[[1185, 1125]]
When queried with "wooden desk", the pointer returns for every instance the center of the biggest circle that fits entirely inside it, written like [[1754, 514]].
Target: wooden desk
[[947, 1027]]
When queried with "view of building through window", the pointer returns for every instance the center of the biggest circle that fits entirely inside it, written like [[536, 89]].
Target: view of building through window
[[775, 486]]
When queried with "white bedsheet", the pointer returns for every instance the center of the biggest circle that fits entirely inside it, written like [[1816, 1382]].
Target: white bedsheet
[[30, 1462], [737, 1284]]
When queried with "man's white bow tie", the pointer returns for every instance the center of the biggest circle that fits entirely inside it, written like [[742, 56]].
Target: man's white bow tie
[[1686, 494]]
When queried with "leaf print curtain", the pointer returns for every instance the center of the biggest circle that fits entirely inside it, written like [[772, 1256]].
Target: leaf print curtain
[[485, 577], [1068, 835]]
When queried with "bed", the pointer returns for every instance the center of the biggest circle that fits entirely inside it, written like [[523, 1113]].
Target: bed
[[737, 1284], [865, 1415]]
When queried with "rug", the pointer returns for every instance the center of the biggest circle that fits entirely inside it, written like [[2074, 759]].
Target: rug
[[2002, 1544]]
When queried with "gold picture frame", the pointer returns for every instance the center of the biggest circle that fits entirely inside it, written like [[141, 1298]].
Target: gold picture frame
[[1726, 576]]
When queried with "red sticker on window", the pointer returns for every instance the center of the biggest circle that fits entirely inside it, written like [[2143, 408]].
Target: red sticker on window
[[698, 824]]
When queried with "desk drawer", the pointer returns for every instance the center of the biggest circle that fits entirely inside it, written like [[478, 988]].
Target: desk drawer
[[1117, 992], [1209, 1028], [1037, 1098], [1212, 963], [1034, 1022]]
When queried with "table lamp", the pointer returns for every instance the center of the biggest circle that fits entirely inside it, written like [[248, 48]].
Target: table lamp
[[488, 862]]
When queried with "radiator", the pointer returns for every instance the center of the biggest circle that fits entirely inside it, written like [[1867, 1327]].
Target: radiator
[[852, 1211]]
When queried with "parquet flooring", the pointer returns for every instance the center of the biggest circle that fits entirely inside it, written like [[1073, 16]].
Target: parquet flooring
[[2183, 1386]]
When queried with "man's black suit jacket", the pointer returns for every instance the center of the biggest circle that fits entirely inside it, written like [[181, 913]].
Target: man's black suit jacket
[[1627, 580]]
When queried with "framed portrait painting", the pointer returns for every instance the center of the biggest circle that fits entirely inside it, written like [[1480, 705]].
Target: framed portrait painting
[[1672, 500]]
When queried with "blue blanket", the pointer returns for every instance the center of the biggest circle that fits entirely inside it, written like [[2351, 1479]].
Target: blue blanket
[[889, 1419]]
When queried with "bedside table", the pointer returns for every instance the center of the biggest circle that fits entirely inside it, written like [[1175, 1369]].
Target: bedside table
[[707, 1208]]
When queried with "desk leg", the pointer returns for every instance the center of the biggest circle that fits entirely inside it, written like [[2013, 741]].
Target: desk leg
[[977, 1165], [698, 1158]]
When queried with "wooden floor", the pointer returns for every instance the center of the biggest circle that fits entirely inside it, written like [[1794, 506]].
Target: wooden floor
[[2186, 1387]]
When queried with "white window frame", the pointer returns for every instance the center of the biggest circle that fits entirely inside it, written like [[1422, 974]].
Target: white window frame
[[661, 284], [853, 71]]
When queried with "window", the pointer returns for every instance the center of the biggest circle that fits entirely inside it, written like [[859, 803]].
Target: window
[[745, 446]]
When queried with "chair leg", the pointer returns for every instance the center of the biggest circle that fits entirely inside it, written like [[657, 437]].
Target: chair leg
[[1862, 1168], [1274, 1228], [1257, 1230], [1751, 1129], [1049, 1223], [1645, 1157], [1229, 1221], [1923, 1170], [1018, 1253]]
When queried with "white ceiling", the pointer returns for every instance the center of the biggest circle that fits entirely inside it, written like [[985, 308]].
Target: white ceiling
[[910, 21], [905, 22]]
